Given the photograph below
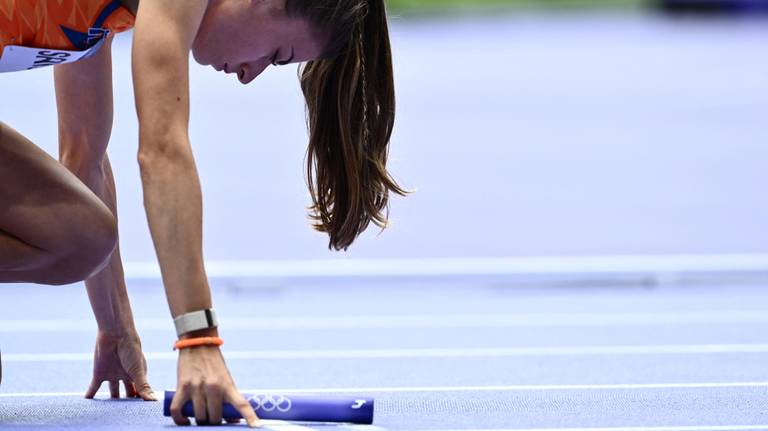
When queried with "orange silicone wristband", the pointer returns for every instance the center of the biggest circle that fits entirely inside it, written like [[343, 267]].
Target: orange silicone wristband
[[199, 341]]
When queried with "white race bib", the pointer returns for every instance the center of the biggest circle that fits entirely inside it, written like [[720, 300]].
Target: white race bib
[[17, 58]]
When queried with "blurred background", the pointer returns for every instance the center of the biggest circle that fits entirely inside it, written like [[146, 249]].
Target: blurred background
[[557, 129]]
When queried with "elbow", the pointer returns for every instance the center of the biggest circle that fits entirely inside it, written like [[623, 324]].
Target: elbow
[[146, 161], [162, 142], [169, 157], [149, 166]]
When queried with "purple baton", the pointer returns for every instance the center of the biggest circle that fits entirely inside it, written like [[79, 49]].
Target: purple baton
[[299, 408]]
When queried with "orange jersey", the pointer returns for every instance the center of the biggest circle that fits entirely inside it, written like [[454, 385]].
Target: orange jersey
[[61, 24]]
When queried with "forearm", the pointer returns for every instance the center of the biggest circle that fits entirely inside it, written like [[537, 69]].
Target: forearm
[[106, 289], [109, 298], [162, 39], [173, 203]]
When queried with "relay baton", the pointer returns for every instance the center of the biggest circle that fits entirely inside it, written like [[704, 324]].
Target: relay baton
[[299, 408]]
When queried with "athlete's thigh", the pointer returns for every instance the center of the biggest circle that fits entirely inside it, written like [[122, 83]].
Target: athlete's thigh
[[41, 202]]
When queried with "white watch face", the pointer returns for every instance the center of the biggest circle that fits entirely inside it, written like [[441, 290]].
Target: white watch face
[[195, 321]]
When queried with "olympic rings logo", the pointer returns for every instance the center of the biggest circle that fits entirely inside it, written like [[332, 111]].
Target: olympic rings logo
[[269, 402]]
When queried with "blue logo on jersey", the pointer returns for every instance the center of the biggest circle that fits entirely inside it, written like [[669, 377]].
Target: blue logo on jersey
[[82, 40]]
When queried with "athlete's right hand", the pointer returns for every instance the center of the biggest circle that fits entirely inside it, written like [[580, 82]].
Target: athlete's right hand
[[204, 379]]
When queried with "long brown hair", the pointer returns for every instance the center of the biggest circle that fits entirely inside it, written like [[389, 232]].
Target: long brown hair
[[350, 97]]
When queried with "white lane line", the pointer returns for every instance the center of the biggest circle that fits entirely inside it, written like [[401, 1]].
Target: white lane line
[[508, 320], [653, 265], [426, 353], [525, 388], [637, 428], [99, 395], [496, 388]]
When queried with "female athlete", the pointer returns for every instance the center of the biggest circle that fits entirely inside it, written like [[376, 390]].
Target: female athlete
[[58, 219]]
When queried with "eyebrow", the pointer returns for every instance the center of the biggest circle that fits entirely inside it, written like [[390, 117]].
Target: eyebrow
[[287, 61]]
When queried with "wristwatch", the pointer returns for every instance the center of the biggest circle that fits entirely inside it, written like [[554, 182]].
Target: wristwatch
[[195, 321]]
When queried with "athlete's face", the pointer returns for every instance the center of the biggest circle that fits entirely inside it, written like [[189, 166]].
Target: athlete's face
[[244, 37]]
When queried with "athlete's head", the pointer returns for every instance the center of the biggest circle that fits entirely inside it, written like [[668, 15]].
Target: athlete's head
[[247, 36], [348, 85]]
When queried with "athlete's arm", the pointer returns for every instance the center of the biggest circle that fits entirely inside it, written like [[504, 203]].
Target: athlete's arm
[[84, 104], [162, 38], [163, 35]]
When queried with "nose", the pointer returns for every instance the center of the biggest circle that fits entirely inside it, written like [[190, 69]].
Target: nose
[[249, 71]]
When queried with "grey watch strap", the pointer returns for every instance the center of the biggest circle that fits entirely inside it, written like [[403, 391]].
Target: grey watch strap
[[195, 321]]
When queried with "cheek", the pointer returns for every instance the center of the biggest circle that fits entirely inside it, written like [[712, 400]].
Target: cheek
[[201, 46], [198, 52], [230, 36], [210, 44]]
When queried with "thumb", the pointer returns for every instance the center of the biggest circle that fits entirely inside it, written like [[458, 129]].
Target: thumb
[[138, 375], [145, 391], [142, 386]]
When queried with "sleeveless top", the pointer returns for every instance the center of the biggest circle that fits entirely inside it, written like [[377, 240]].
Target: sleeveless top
[[76, 27]]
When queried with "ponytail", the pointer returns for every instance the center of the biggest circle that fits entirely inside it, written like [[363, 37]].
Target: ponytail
[[350, 116]]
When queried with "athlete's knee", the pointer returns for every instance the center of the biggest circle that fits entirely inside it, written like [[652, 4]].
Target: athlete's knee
[[99, 236], [82, 262], [89, 247]]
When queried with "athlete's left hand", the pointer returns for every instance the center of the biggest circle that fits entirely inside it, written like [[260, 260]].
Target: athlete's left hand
[[120, 358]]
